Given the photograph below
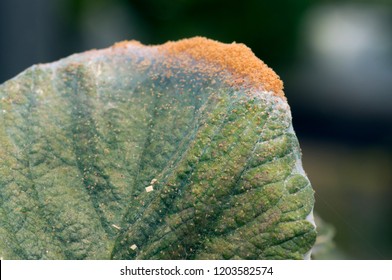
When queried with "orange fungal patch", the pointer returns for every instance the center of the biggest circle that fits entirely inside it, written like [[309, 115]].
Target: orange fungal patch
[[236, 58], [124, 44], [215, 57]]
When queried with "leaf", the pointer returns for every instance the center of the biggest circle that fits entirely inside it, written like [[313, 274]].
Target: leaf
[[325, 247], [179, 151]]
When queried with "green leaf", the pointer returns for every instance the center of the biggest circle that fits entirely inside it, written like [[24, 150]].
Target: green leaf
[[325, 247], [180, 151]]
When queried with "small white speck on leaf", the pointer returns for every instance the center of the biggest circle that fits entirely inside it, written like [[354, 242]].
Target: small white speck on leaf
[[116, 226]]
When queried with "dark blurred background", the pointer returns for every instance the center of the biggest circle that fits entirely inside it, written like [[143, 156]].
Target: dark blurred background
[[335, 58]]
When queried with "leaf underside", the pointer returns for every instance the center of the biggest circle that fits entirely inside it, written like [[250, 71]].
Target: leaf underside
[[82, 139]]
